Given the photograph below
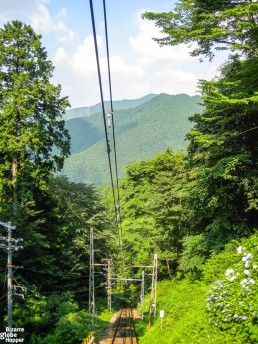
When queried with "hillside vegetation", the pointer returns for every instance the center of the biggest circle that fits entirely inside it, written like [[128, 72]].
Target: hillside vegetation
[[197, 208], [141, 132], [117, 105]]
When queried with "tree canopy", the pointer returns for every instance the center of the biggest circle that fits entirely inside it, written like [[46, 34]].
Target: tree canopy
[[205, 24], [33, 138]]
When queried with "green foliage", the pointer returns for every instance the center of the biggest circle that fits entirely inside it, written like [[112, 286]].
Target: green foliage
[[185, 302], [141, 132], [56, 237], [152, 209], [222, 153], [232, 302], [185, 318], [30, 114], [32, 314], [117, 105], [194, 255], [210, 24]]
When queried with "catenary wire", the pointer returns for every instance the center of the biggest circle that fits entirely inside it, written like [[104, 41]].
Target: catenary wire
[[102, 98], [111, 100], [104, 119]]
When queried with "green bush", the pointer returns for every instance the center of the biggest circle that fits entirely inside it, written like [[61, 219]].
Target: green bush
[[232, 302], [235, 299], [185, 318]]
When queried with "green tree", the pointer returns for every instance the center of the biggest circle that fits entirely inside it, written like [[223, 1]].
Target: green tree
[[223, 153], [219, 24], [56, 239], [33, 138], [222, 195], [154, 217]]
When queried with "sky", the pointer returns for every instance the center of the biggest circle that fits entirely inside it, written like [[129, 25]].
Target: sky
[[139, 66]]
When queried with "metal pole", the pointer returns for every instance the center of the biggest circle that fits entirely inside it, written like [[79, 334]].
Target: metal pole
[[9, 246], [9, 276], [91, 283], [153, 299], [155, 272], [142, 290], [109, 291]]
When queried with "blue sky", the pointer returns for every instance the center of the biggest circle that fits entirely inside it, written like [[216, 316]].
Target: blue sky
[[138, 65]]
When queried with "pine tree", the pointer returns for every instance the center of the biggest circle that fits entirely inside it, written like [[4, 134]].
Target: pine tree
[[33, 138]]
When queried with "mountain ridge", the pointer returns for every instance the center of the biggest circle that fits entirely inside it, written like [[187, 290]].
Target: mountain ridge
[[141, 132], [117, 105]]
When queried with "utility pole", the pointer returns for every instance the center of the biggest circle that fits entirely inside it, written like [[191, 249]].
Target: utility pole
[[91, 284], [109, 290], [142, 290], [9, 246], [153, 299]]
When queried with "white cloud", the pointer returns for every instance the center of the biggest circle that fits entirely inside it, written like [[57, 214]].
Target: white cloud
[[67, 34], [119, 66], [42, 21], [42, 1], [149, 51], [83, 61], [175, 81], [175, 75], [61, 57], [18, 5]]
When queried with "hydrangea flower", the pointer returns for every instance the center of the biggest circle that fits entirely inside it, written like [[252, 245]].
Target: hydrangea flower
[[232, 300], [239, 249], [229, 272]]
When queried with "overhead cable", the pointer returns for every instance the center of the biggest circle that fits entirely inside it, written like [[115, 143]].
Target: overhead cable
[[111, 100], [101, 96], [116, 204]]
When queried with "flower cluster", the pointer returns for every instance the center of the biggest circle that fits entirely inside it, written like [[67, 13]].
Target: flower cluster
[[232, 302]]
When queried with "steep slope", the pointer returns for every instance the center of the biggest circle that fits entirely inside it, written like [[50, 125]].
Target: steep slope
[[141, 133]]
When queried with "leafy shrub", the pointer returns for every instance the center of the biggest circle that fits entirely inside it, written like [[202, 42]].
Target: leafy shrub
[[194, 255], [185, 318], [232, 302]]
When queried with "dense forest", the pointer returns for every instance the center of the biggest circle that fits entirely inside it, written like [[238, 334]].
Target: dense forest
[[196, 209]]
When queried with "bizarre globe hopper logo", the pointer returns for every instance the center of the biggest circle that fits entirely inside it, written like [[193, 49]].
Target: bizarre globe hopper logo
[[12, 334]]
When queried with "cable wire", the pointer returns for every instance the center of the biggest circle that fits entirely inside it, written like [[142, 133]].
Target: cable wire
[[103, 113], [117, 209], [102, 98], [111, 100]]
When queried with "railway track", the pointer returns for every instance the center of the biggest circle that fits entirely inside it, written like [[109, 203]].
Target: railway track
[[123, 331]]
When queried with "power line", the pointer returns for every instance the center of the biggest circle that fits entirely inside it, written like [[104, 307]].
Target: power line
[[102, 98], [118, 214], [74, 292], [111, 100], [116, 204]]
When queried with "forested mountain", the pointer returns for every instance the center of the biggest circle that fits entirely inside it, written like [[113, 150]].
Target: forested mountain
[[141, 132], [118, 105]]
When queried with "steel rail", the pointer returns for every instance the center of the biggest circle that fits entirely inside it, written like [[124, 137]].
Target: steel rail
[[117, 326], [124, 331]]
